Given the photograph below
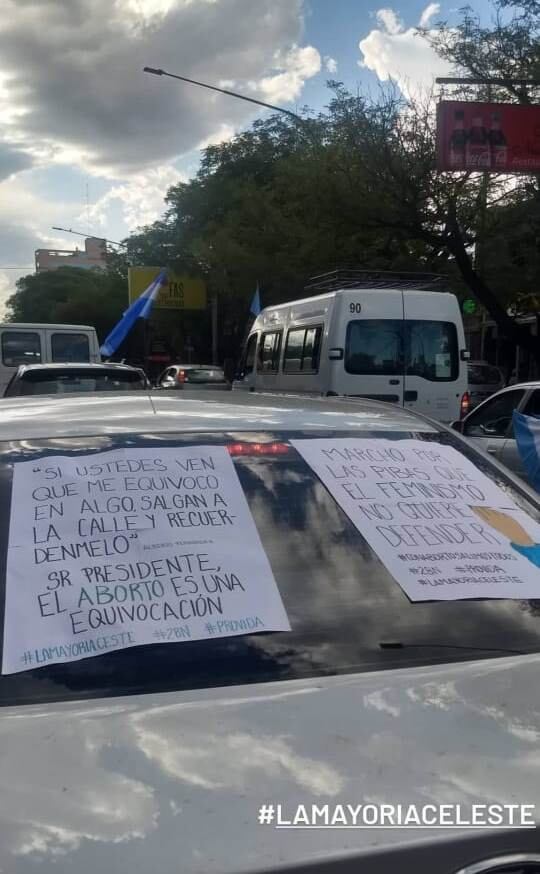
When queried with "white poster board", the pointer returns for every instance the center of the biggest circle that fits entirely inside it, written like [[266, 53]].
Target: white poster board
[[442, 528], [130, 547]]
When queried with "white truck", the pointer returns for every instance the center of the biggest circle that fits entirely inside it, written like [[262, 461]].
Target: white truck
[[403, 345], [34, 343]]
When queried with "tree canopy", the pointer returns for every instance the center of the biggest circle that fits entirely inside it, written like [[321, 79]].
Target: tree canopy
[[70, 295]]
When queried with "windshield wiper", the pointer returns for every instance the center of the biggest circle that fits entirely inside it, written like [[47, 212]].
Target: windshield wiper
[[398, 644]]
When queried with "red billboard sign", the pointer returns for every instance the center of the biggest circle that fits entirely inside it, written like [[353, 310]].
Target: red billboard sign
[[498, 137]]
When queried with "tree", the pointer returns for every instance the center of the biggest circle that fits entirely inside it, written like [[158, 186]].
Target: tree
[[70, 295]]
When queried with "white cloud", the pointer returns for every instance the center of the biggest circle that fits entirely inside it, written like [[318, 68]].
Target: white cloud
[[72, 93], [141, 198], [389, 21], [330, 64], [396, 52], [429, 13], [292, 70], [72, 86]]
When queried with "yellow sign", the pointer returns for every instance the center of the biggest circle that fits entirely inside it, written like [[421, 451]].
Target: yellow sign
[[180, 292]]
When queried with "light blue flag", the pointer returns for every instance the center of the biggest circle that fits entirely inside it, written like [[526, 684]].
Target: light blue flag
[[527, 433], [255, 307], [139, 309]]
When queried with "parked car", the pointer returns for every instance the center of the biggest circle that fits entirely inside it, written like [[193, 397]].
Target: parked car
[[185, 377], [490, 424], [52, 379], [484, 380], [158, 757]]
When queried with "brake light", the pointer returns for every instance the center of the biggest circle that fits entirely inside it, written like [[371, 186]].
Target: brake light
[[236, 449], [181, 376], [465, 405]]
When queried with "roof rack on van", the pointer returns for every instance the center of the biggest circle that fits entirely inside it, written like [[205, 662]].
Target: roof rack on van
[[356, 278]]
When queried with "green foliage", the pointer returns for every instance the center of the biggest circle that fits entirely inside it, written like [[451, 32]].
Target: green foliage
[[506, 48], [70, 295]]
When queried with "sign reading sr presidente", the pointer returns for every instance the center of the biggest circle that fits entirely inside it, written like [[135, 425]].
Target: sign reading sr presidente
[[180, 292]]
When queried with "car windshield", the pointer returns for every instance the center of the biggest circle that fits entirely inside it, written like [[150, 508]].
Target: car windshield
[[51, 381], [347, 613], [483, 374]]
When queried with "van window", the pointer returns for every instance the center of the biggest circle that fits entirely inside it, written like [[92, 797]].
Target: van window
[[70, 347], [374, 347], [432, 350], [20, 347], [269, 351], [302, 350]]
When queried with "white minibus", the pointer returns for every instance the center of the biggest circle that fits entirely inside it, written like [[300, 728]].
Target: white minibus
[[401, 345]]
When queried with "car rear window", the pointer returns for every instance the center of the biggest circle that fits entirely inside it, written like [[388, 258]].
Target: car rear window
[[204, 374], [346, 612], [483, 374], [45, 382]]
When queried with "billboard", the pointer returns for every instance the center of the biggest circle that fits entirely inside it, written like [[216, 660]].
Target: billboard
[[496, 137], [180, 292]]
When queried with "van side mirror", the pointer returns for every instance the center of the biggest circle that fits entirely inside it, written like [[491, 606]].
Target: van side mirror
[[335, 354]]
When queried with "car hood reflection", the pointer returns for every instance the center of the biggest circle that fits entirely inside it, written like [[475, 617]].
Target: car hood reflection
[[174, 781]]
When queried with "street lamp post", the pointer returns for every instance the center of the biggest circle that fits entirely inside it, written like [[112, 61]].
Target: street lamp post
[[158, 72], [297, 118]]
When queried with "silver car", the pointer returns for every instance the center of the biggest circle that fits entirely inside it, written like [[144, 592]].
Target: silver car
[[490, 424], [193, 377], [484, 380], [159, 758]]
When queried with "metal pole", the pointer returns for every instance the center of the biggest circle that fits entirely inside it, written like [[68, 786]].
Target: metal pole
[[214, 316], [158, 72], [483, 204], [89, 236], [456, 80]]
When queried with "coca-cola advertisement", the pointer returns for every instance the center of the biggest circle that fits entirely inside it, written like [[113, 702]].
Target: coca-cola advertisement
[[495, 137]]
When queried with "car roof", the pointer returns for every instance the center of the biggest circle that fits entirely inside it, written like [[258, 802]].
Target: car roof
[[136, 412], [525, 385], [67, 365], [35, 326], [192, 366]]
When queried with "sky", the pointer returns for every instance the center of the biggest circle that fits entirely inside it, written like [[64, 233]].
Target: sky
[[90, 142]]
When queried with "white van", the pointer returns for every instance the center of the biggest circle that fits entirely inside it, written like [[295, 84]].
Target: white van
[[401, 345], [29, 343]]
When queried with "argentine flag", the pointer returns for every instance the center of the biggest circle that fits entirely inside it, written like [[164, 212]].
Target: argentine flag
[[139, 309], [255, 307], [527, 433]]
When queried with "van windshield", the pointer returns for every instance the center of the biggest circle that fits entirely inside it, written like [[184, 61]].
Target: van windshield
[[393, 347]]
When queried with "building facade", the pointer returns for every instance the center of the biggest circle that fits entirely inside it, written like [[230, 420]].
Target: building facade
[[93, 255]]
